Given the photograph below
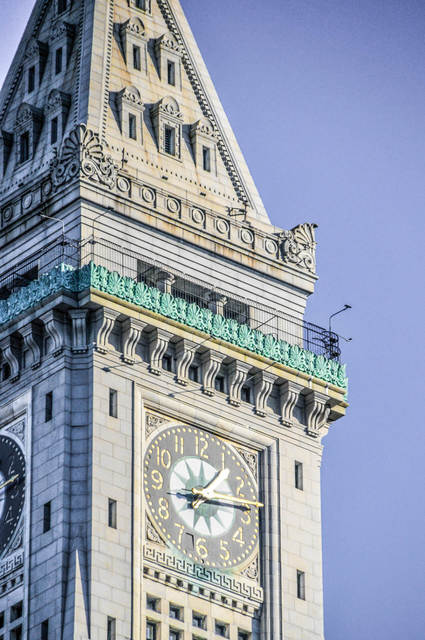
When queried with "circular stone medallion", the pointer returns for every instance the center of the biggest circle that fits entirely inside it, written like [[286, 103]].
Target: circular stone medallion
[[247, 236], [173, 205], [198, 216], [222, 226]]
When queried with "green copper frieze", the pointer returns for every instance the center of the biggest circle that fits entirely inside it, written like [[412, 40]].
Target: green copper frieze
[[64, 277]]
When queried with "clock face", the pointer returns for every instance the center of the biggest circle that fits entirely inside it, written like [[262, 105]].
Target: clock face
[[12, 489], [195, 486]]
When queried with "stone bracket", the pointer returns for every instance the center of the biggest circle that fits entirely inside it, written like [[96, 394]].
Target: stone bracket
[[289, 394], [158, 343], [238, 372], [54, 324], [263, 387], [31, 342], [185, 353], [78, 330], [11, 355], [211, 363], [317, 409], [104, 322], [131, 333]]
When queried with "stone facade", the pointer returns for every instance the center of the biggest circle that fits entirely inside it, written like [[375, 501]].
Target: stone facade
[[143, 285]]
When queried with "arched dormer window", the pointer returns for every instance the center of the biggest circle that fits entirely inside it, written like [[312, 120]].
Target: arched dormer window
[[134, 44], [29, 121], [169, 54], [167, 119], [57, 109], [61, 40], [130, 112], [204, 144], [34, 64]]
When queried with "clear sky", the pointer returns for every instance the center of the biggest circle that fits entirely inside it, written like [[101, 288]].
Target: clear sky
[[327, 99]]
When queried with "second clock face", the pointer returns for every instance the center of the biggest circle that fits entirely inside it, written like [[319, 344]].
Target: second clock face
[[195, 486], [12, 489]]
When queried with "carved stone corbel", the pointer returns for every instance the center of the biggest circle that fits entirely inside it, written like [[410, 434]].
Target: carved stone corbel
[[10, 351], [317, 409], [185, 352], [78, 330], [211, 362], [104, 324], [289, 394], [263, 386], [131, 333], [32, 343], [158, 343], [53, 321], [238, 372]]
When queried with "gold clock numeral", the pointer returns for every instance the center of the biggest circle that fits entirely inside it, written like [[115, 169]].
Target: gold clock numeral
[[224, 551], [157, 480], [164, 509], [201, 549], [180, 527], [201, 445], [246, 516], [240, 487], [9, 516], [179, 444], [237, 537], [163, 457]]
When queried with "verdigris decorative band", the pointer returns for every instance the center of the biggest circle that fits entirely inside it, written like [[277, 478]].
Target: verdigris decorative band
[[140, 294]]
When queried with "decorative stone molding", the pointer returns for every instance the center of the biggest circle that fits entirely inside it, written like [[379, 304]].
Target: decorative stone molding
[[10, 353], [238, 372], [158, 343], [251, 571], [151, 533], [251, 459], [57, 106], [299, 247], [317, 412], [211, 362], [55, 328], [204, 136], [18, 430], [78, 330], [263, 386], [153, 422], [31, 342], [63, 32], [131, 334], [104, 323], [82, 155], [185, 353], [36, 53], [168, 50], [29, 121], [166, 115], [289, 394], [133, 34], [129, 104]]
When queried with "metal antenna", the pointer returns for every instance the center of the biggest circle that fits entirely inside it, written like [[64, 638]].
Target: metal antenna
[[344, 308], [43, 215]]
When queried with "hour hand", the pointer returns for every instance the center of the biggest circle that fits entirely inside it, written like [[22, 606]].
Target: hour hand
[[204, 493], [12, 479]]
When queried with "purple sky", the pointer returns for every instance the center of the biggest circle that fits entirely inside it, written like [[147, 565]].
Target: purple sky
[[327, 99]]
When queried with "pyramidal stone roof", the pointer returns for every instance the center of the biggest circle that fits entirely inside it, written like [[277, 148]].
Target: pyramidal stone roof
[[115, 57]]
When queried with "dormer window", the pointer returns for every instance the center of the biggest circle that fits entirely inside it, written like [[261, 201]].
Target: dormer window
[[167, 119], [28, 125], [169, 54], [130, 113], [31, 79], [134, 44], [142, 5], [57, 109], [203, 138], [58, 60], [6, 145]]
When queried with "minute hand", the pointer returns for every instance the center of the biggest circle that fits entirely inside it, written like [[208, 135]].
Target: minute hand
[[12, 479], [238, 500]]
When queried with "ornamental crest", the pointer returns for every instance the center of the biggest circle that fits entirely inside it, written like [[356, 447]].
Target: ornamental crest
[[82, 154], [299, 247]]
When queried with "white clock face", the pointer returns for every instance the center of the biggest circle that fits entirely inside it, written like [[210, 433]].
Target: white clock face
[[201, 496]]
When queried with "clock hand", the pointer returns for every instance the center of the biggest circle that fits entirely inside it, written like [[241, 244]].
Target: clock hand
[[237, 500], [12, 479], [204, 492]]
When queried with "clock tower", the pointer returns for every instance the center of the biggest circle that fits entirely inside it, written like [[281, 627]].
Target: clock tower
[[162, 399]]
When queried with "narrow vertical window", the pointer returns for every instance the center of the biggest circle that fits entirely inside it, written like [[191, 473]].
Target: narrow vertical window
[[171, 73], [136, 58], [62, 6], [31, 79], [151, 631], [45, 630], [299, 476], [24, 151], [170, 140], [112, 513], [48, 406], [206, 158], [113, 403], [112, 629], [141, 4], [47, 517], [301, 585], [132, 126], [54, 130], [58, 60]]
